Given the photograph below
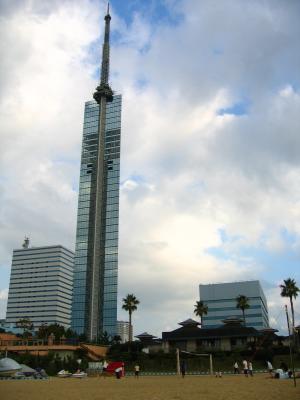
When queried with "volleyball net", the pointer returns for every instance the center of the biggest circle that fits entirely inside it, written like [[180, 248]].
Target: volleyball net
[[190, 353]]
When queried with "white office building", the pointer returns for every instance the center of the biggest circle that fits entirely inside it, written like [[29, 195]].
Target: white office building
[[221, 301], [41, 284], [123, 330]]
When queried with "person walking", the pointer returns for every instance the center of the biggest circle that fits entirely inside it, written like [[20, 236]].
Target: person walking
[[236, 368], [245, 367]]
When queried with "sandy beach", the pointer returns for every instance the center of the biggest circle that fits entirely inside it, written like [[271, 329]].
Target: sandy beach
[[152, 388]]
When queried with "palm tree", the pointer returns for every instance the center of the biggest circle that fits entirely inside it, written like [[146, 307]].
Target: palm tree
[[130, 303], [200, 310], [290, 289], [242, 302]]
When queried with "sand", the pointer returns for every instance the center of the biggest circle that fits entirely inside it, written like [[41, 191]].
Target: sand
[[152, 388]]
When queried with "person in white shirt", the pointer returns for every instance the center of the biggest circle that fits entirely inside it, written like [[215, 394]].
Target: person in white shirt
[[236, 367], [118, 372], [250, 368], [136, 370], [245, 367], [270, 368]]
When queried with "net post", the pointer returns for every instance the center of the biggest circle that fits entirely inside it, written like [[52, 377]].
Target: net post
[[177, 362], [211, 365]]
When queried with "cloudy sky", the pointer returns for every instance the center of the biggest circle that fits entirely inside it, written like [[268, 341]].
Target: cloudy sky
[[210, 165]]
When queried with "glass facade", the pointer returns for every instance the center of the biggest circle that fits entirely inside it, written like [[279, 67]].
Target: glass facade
[[220, 299], [108, 275]]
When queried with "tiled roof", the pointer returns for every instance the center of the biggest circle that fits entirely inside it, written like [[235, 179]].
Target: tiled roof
[[7, 336], [145, 335], [189, 322], [193, 332], [94, 352]]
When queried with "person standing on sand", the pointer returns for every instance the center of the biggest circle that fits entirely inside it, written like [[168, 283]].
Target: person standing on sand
[[105, 365], [136, 370], [270, 368], [183, 368], [245, 367], [250, 368], [118, 372], [104, 368], [236, 368]]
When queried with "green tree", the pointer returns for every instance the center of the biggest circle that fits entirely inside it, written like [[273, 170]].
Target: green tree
[[200, 309], [290, 289], [242, 302], [25, 324], [58, 331], [130, 303], [104, 338], [42, 333]]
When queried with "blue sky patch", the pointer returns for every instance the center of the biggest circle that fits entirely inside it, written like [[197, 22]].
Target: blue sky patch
[[240, 108], [276, 264], [154, 11]]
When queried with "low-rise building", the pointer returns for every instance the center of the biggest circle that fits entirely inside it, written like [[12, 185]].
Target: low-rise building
[[231, 335], [40, 347]]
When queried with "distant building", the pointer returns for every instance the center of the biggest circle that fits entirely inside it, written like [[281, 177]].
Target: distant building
[[231, 335], [221, 301], [41, 347], [40, 286], [151, 344], [123, 330]]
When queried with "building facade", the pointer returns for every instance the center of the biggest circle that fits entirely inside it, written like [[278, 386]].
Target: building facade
[[231, 335], [41, 284], [94, 309], [221, 301], [123, 330]]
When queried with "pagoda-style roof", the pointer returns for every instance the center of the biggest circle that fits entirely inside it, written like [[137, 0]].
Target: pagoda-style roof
[[189, 322], [145, 335], [190, 330]]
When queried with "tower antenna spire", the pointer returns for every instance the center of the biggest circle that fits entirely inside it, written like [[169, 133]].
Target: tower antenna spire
[[104, 90]]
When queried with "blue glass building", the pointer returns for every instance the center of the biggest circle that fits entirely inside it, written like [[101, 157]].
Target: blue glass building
[[220, 299], [94, 308]]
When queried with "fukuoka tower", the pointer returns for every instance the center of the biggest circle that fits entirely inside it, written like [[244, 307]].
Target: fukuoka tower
[[94, 308]]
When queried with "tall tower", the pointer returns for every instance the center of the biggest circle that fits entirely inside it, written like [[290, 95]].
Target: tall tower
[[94, 308]]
